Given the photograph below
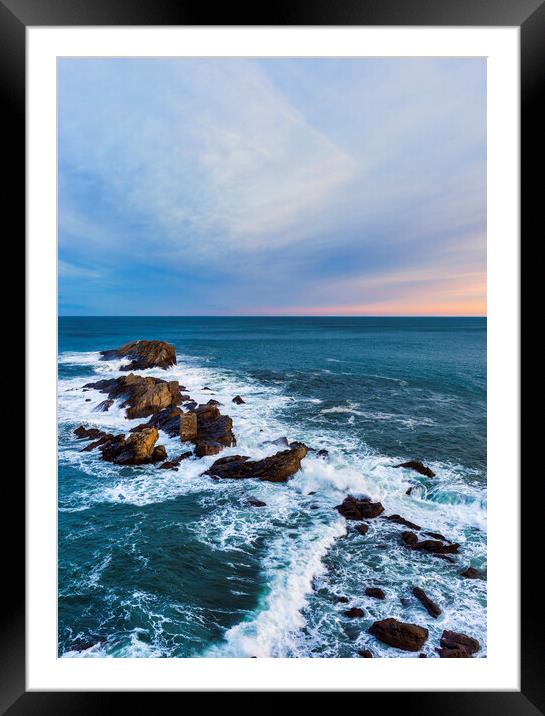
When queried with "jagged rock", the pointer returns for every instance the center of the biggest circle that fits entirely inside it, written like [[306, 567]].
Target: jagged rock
[[362, 529], [138, 449], [436, 535], [354, 508], [214, 402], [188, 426], [418, 467], [366, 653], [402, 521], [458, 646], [375, 592], [409, 637], [102, 440], [173, 464], [88, 433], [355, 613], [144, 354], [431, 607], [214, 431], [142, 396], [238, 400], [471, 573], [429, 545], [104, 406], [167, 420], [276, 468], [281, 442]]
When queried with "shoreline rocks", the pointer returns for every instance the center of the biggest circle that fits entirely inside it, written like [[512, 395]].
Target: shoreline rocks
[[401, 635], [417, 466], [410, 540], [276, 468], [431, 607], [143, 355], [143, 396]]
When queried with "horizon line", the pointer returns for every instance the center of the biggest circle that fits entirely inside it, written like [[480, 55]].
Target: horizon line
[[258, 315]]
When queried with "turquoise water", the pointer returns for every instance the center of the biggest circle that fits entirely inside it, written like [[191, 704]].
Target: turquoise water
[[161, 563]]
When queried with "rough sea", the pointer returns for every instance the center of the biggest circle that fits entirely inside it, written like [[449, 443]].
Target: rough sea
[[157, 563]]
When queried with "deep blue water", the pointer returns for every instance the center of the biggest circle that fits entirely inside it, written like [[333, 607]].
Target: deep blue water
[[155, 563]]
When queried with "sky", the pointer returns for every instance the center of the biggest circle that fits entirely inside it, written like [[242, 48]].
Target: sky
[[272, 186]]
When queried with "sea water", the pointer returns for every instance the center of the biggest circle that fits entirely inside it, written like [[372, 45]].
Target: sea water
[[158, 563]]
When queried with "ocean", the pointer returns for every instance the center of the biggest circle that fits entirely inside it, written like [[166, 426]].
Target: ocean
[[157, 563]]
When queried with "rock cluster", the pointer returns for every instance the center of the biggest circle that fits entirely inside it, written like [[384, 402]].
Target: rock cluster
[[143, 355], [276, 468], [142, 396], [354, 508]]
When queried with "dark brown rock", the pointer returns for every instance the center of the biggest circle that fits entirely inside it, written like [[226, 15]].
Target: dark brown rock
[[104, 406], [375, 592], [354, 508], [409, 637], [214, 402], [88, 433], [362, 529], [342, 600], [214, 431], [167, 420], [355, 613], [276, 468], [142, 396], [455, 641], [418, 467], [471, 573], [431, 607], [174, 463], [254, 502], [138, 449], [238, 400], [366, 653], [102, 440], [437, 535], [144, 354], [402, 521], [429, 545]]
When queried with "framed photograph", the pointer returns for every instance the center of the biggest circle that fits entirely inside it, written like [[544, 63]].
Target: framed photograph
[[272, 352]]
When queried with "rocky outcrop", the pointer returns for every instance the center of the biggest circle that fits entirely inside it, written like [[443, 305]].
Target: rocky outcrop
[[402, 521], [355, 613], [375, 592], [167, 420], [143, 354], [354, 508], [409, 637], [410, 540], [137, 449], [455, 645], [418, 467], [238, 400], [88, 433], [431, 607], [276, 468], [214, 431], [141, 396]]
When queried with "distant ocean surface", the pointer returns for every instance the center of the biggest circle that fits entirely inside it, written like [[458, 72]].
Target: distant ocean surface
[[157, 563]]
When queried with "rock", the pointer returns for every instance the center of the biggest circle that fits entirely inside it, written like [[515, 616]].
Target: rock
[[418, 467], [167, 420], [144, 354], [362, 529], [104, 406], [190, 405], [87, 400], [206, 388], [436, 535], [188, 426], [342, 600], [354, 508], [471, 573], [431, 607], [375, 592], [323, 453], [104, 438], [402, 521], [142, 396], [457, 645], [366, 653], [238, 400], [354, 613], [276, 468], [173, 464], [214, 402], [88, 433], [422, 656], [409, 637], [138, 449], [253, 502], [409, 491], [281, 442], [214, 431], [429, 545]]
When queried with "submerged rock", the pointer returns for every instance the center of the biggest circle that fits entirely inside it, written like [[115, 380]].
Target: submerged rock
[[238, 400], [431, 607], [366, 653], [142, 396], [418, 467], [375, 592], [354, 508], [276, 468], [174, 463], [254, 502], [137, 449], [472, 573], [429, 545], [402, 521], [401, 635], [144, 354], [362, 529], [355, 613]]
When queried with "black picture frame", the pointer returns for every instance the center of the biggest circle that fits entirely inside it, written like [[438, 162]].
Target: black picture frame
[[15, 17]]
